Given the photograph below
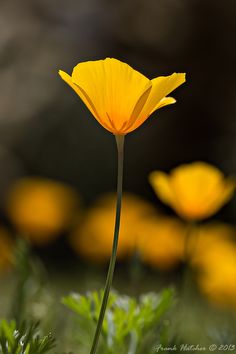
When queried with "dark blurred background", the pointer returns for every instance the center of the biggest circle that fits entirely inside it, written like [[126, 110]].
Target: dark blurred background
[[45, 129]]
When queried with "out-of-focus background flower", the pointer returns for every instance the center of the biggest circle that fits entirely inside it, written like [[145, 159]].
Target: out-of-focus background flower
[[58, 165]]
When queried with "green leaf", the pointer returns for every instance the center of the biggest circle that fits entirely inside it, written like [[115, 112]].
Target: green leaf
[[24, 339], [127, 321]]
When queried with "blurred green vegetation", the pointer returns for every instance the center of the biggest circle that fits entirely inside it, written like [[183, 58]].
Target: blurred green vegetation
[[23, 339], [147, 315]]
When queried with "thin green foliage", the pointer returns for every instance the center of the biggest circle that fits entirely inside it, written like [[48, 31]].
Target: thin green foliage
[[128, 322], [24, 339]]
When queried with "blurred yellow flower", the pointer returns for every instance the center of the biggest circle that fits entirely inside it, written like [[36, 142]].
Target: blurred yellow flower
[[195, 191], [218, 282], [6, 249], [93, 238], [158, 240], [161, 242], [40, 208], [206, 241], [119, 97], [214, 257]]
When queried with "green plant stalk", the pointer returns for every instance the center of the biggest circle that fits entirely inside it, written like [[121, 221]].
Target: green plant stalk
[[23, 270], [120, 151], [190, 232]]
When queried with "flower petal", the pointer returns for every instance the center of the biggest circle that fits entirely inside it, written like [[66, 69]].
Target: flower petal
[[68, 79], [134, 123], [161, 87], [160, 182], [112, 87], [227, 188], [164, 102]]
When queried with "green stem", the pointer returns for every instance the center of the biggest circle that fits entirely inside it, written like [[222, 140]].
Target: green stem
[[190, 243], [120, 151], [190, 232], [23, 272]]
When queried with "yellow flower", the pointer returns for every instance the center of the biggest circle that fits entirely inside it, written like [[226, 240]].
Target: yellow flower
[[219, 287], [218, 283], [206, 241], [119, 97], [93, 238], [216, 279], [214, 258], [40, 208], [161, 242], [195, 191], [6, 249], [158, 240]]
